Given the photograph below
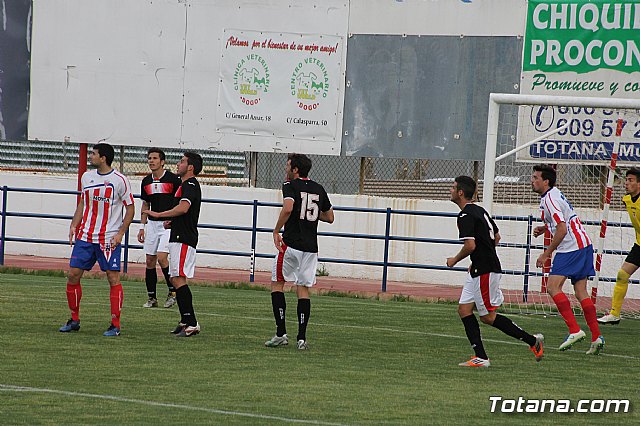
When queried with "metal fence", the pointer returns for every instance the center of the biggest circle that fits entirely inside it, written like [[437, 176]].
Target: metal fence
[[220, 167], [522, 298], [390, 177]]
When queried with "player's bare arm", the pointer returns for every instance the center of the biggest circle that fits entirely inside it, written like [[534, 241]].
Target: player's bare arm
[[558, 236], [539, 230], [143, 221], [130, 211], [326, 216], [285, 212], [497, 238], [77, 216], [468, 248], [182, 208]]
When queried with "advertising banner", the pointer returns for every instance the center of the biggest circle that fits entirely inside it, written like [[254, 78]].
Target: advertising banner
[[586, 49], [279, 84]]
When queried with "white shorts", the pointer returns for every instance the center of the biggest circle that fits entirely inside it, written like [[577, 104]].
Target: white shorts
[[484, 291], [182, 260], [156, 238], [295, 266]]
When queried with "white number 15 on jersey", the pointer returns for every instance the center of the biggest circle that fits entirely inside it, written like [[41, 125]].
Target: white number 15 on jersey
[[309, 206]]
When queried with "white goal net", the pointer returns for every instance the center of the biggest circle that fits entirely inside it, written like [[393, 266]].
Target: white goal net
[[578, 137]]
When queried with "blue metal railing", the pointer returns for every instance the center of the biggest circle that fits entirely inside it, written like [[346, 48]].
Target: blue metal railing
[[252, 254]]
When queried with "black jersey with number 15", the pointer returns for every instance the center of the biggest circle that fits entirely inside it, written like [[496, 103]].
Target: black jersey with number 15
[[309, 199], [475, 223]]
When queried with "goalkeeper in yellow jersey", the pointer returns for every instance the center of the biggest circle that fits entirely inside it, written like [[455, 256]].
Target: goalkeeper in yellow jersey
[[632, 262]]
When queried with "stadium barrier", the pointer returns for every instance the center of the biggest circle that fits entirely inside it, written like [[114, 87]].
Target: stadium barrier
[[254, 229]]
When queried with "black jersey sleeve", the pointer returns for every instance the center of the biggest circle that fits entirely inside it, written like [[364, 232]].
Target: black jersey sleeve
[[190, 192], [176, 183], [465, 226], [288, 191], [495, 227], [143, 194], [325, 204]]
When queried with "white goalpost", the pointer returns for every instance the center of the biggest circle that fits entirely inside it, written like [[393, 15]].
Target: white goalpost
[[585, 138]]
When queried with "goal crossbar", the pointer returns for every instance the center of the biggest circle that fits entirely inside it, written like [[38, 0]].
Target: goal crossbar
[[495, 99]]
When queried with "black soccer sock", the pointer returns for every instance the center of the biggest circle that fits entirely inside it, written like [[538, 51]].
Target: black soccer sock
[[185, 304], [167, 278], [151, 279], [181, 309], [279, 308], [472, 328], [304, 311], [510, 328]]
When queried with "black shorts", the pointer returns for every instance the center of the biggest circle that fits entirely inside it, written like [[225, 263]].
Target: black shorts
[[634, 255]]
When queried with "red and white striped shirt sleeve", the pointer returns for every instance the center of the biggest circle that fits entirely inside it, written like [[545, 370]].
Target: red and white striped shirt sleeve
[[126, 196], [554, 209]]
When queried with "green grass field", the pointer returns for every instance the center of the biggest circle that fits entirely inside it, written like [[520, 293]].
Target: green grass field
[[370, 362]]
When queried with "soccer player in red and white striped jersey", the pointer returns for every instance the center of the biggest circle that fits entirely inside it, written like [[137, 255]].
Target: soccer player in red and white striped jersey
[[101, 219], [573, 258]]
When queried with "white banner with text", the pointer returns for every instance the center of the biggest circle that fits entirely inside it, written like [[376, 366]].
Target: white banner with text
[[282, 85]]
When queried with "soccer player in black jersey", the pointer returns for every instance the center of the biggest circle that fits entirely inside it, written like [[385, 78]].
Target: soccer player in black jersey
[[157, 190], [305, 202], [184, 239], [481, 288]]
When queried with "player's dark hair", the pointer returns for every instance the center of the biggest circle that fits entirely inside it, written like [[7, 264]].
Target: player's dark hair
[[194, 160], [157, 151], [105, 150], [635, 172], [302, 162], [547, 173], [467, 185]]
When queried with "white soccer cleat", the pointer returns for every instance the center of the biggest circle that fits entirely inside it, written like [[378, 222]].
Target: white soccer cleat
[[151, 303], [572, 339], [609, 318], [475, 362], [277, 341], [171, 300], [303, 345], [189, 330], [596, 346]]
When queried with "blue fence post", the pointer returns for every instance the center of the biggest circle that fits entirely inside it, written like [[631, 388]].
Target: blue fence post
[[385, 266], [126, 252], [254, 232], [527, 259], [5, 192]]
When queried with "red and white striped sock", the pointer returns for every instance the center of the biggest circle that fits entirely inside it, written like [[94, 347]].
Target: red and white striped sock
[[115, 297], [564, 307], [590, 316], [74, 294]]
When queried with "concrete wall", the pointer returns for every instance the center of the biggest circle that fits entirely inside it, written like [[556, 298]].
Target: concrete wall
[[346, 222]]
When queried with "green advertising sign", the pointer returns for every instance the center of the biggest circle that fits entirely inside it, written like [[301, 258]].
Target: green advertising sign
[[582, 48], [582, 36]]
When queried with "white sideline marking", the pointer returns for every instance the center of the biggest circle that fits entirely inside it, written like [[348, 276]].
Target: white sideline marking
[[12, 388], [357, 327]]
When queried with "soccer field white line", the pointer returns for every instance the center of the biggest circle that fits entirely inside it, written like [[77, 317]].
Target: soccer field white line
[[319, 324], [12, 388]]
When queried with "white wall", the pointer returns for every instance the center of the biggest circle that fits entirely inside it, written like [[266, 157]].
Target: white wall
[[146, 73], [331, 247], [438, 17]]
